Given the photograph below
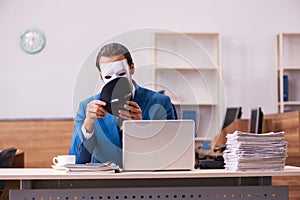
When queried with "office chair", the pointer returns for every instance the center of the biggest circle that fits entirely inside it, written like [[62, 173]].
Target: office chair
[[6, 159]]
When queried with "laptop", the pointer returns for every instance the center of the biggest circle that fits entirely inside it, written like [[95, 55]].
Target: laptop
[[154, 145]]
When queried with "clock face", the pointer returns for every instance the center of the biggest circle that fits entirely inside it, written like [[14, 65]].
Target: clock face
[[32, 41]]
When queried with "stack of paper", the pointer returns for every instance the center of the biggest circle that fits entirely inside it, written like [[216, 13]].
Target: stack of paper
[[93, 167], [255, 152]]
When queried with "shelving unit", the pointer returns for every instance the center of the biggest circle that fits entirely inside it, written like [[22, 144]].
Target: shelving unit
[[288, 66], [188, 69]]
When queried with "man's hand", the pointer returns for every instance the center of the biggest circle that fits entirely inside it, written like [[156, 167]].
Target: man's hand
[[94, 110], [133, 111]]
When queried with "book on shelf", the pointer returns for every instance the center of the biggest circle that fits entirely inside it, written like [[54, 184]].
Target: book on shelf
[[285, 88]]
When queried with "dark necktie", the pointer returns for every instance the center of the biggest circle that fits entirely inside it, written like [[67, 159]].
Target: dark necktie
[[119, 121]]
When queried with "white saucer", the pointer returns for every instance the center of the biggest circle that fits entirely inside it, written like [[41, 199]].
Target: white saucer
[[58, 167]]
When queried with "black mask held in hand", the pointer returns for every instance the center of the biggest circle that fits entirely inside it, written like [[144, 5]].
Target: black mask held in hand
[[115, 93]]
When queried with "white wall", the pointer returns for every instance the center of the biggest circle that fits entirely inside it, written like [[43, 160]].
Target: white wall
[[42, 85]]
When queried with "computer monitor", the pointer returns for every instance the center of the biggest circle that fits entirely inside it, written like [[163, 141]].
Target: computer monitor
[[256, 120], [232, 114]]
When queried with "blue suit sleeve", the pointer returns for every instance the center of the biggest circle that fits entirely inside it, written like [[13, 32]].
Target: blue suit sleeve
[[77, 146], [170, 110], [161, 108]]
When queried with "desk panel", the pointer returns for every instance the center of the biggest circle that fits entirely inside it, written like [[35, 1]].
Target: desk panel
[[168, 193], [146, 183]]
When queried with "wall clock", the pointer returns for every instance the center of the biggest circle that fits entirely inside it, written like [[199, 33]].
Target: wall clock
[[32, 41]]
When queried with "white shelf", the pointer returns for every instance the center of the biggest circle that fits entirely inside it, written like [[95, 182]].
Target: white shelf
[[288, 65], [194, 103], [290, 44], [208, 68], [187, 67], [292, 103], [289, 103], [289, 68], [291, 34], [188, 85], [184, 49], [201, 139]]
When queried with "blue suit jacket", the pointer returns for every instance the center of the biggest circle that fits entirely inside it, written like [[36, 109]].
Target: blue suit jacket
[[105, 144]]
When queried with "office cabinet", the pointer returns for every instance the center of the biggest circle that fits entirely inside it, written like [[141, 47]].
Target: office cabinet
[[188, 70], [288, 71]]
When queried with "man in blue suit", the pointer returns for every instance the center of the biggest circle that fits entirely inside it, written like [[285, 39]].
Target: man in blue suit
[[96, 136]]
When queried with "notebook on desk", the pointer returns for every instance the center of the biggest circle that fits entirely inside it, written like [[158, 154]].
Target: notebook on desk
[[152, 145]]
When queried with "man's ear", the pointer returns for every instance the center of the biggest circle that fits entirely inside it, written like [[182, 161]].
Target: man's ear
[[100, 74], [131, 69]]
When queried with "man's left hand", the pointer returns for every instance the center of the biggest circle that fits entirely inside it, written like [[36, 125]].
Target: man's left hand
[[133, 111]]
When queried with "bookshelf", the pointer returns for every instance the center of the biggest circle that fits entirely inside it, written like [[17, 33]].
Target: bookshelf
[[288, 71], [187, 67]]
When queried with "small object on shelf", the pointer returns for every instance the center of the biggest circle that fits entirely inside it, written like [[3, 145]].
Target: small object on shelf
[[220, 148], [190, 114], [206, 144]]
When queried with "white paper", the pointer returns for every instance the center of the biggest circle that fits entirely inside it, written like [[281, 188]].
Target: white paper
[[255, 152]]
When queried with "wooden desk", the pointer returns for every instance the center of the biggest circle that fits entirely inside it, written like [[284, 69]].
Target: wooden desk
[[44, 183]]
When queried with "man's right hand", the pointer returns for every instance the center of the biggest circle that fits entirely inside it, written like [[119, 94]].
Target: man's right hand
[[94, 110]]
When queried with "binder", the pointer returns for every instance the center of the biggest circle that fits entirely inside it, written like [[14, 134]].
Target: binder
[[285, 88]]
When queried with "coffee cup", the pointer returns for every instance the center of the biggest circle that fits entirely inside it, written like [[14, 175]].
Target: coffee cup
[[62, 160]]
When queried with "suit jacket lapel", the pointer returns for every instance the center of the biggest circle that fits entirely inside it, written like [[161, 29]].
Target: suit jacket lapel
[[140, 98]]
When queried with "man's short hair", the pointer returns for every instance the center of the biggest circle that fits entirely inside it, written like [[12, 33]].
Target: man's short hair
[[114, 49]]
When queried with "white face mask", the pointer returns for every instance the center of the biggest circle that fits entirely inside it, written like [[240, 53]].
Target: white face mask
[[114, 70]]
